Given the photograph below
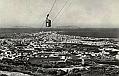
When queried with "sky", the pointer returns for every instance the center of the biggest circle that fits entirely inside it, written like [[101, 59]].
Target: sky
[[76, 13]]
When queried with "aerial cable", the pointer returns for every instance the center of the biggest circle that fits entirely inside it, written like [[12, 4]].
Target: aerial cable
[[43, 20], [42, 23], [52, 7], [60, 10], [66, 8]]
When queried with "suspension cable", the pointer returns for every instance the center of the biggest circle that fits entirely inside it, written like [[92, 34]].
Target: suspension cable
[[42, 23], [52, 6], [60, 10], [66, 8]]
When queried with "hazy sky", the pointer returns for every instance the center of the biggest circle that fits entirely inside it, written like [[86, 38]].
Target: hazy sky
[[82, 13]]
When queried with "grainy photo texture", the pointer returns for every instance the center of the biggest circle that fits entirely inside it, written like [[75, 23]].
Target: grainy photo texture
[[59, 37]]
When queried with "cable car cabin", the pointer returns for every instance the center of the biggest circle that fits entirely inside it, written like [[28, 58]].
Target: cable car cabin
[[48, 23]]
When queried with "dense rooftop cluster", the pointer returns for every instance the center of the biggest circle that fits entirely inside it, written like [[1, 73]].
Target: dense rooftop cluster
[[55, 54]]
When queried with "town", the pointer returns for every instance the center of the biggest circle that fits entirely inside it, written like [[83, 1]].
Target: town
[[54, 54]]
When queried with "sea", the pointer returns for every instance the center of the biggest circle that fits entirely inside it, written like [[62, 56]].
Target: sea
[[84, 32]]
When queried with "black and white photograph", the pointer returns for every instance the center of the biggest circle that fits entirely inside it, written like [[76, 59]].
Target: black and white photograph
[[59, 37]]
